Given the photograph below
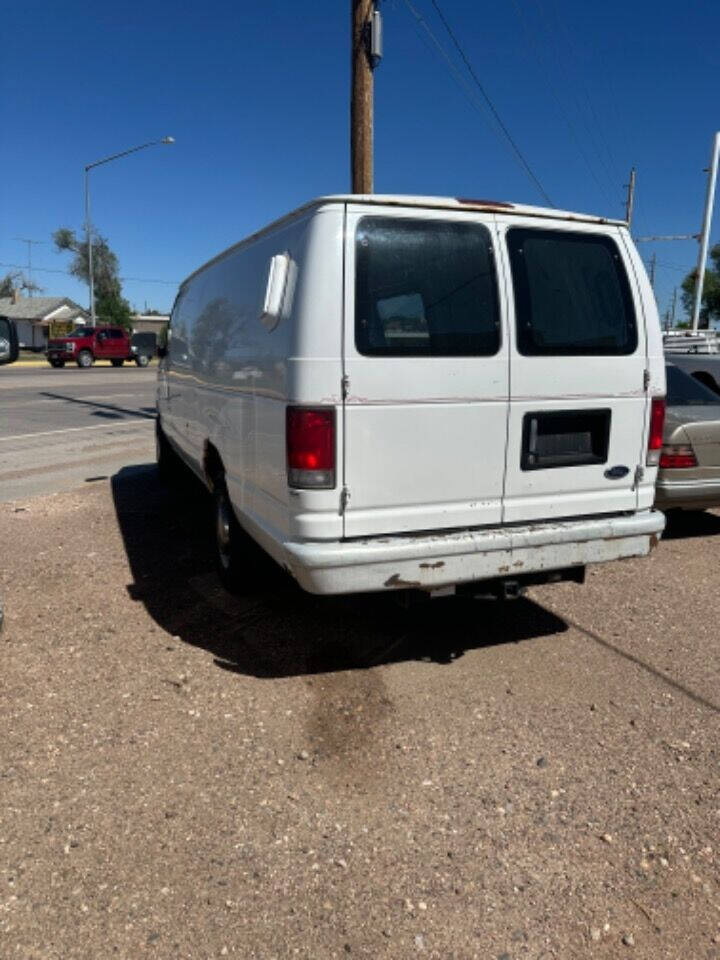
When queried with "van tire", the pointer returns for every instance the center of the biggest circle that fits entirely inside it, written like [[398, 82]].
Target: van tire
[[85, 359], [228, 540]]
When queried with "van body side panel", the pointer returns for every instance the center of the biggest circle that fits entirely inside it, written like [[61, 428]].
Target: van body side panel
[[315, 365], [578, 402], [230, 376], [425, 429]]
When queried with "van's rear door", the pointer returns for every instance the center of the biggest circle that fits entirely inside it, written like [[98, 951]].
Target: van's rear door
[[426, 371], [578, 400]]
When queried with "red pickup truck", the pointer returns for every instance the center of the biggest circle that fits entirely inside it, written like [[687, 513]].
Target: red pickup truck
[[85, 345]]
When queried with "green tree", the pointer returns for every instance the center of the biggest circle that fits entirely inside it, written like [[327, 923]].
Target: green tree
[[17, 281], [710, 302], [8, 285], [110, 305], [113, 308]]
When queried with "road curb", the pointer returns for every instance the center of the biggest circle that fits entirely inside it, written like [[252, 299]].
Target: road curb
[[43, 363]]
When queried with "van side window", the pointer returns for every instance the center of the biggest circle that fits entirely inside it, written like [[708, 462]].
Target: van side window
[[572, 296], [179, 333], [425, 288]]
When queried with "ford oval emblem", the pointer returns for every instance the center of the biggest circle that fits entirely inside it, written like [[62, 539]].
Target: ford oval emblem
[[617, 473]]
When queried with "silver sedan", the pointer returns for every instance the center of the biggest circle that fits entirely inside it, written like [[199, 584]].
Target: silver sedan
[[689, 475]]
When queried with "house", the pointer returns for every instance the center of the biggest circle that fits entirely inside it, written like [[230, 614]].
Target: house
[[150, 323], [34, 317]]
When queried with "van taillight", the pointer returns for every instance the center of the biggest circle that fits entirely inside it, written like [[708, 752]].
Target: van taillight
[[310, 436], [655, 436]]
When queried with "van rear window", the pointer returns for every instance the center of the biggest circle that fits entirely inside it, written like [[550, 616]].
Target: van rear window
[[572, 296], [425, 288]]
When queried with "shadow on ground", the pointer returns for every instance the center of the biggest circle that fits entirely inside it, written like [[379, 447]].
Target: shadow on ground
[[684, 524], [276, 629]]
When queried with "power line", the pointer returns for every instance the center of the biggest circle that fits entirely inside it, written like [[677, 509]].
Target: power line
[[592, 128], [17, 266], [577, 137], [446, 57], [489, 102], [675, 266]]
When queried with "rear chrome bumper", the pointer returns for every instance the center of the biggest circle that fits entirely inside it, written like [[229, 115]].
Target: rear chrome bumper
[[432, 561]]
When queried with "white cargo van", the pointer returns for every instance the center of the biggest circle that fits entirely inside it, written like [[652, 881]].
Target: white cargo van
[[394, 392]]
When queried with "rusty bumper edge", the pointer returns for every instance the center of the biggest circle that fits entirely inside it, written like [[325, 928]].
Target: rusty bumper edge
[[317, 555]]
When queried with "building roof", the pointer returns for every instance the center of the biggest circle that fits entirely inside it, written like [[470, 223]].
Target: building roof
[[35, 308]]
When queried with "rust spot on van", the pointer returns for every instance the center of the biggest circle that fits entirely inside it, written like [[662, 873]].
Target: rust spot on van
[[432, 566], [472, 202], [504, 569], [654, 540], [396, 581]]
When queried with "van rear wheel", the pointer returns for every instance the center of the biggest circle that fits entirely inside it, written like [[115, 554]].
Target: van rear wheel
[[228, 540]]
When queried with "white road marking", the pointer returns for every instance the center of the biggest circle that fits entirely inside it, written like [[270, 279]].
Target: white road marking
[[99, 396], [99, 426]]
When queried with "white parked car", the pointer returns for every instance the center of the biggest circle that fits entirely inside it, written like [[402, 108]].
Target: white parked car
[[394, 392]]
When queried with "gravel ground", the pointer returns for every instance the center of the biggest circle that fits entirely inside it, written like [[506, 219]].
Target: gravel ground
[[184, 774]]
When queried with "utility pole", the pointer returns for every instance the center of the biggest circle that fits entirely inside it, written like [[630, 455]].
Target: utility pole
[[366, 51], [672, 308], [653, 264], [630, 198], [705, 235], [29, 267]]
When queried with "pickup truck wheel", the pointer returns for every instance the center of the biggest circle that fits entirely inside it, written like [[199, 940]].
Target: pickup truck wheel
[[228, 540], [57, 363], [117, 363], [85, 359], [142, 360]]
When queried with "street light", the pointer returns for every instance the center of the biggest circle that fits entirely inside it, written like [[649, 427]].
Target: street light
[[88, 228], [705, 235]]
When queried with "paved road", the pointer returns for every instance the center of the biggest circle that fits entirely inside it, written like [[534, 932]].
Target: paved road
[[63, 428], [189, 775]]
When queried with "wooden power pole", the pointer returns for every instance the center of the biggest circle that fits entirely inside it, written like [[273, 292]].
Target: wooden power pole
[[361, 98]]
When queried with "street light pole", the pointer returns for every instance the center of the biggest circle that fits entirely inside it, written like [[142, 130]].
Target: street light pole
[[88, 236], [88, 227], [705, 235]]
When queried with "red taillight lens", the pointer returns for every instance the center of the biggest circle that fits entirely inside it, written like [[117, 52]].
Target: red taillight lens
[[655, 435], [678, 456], [310, 435]]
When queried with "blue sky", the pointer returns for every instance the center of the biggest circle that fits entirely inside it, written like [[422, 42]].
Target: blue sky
[[256, 95]]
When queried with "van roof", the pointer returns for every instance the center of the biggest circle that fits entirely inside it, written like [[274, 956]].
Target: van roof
[[402, 200], [465, 203]]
